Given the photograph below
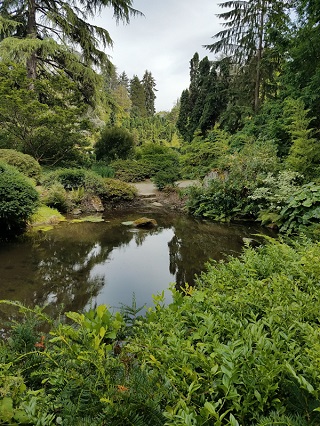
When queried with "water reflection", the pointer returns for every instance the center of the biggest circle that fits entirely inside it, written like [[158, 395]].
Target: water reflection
[[77, 265]]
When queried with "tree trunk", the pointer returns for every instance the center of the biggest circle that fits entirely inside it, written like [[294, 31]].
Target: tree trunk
[[32, 33]]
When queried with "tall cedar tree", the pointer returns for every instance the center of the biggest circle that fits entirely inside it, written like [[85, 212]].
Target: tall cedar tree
[[251, 29], [55, 34]]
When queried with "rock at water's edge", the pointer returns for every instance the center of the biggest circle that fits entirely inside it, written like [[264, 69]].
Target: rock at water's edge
[[145, 222]]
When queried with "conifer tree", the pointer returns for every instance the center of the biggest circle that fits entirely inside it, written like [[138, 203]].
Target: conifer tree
[[138, 98], [55, 34], [250, 28], [149, 84]]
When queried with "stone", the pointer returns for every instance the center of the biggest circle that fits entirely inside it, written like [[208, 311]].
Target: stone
[[76, 212], [145, 222], [92, 203]]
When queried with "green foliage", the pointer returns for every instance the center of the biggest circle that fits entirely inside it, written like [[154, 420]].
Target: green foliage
[[74, 179], [114, 143], [56, 197], [282, 200], [304, 154], [159, 158], [46, 123], [116, 190], [167, 177], [131, 170], [23, 162], [101, 169], [227, 196], [302, 209], [204, 154], [50, 49], [79, 376], [18, 201], [242, 345], [158, 129], [273, 193]]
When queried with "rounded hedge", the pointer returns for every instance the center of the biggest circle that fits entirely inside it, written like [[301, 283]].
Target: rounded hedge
[[23, 162], [18, 201]]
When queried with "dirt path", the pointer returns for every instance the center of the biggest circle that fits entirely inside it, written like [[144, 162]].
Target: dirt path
[[148, 188], [150, 196]]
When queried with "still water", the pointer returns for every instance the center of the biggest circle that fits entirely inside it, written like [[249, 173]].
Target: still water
[[78, 265]]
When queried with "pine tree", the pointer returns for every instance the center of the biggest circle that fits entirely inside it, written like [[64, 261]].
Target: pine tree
[[124, 80], [183, 117], [138, 98], [149, 84]]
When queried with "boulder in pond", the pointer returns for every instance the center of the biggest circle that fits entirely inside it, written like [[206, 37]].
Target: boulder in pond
[[145, 222]]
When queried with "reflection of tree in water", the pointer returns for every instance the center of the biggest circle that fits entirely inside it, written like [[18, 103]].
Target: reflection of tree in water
[[62, 262], [196, 242]]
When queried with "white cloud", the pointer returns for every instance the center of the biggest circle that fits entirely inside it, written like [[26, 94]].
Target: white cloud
[[163, 42]]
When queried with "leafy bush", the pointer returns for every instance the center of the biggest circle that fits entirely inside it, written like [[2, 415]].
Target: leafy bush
[[301, 209], [68, 178], [18, 201], [74, 179], [77, 377], [243, 346], [116, 190], [114, 143], [23, 162], [228, 196], [273, 194]]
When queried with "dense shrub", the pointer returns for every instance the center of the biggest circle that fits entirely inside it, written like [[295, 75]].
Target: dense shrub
[[18, 201], [74, 179], [116, 190], [228, 196], [242, 348], [23, 162], [166, 177], [114, 143], [202, 155], [158, 157], [301, 209], [131, 170]]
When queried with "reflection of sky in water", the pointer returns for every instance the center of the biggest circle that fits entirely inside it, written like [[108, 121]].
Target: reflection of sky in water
[[139, 269]]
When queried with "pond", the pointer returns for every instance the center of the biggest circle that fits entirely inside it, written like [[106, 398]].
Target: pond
[[78, 265]]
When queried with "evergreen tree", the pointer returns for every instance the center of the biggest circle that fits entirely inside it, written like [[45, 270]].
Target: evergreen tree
[[48, 35], [251, 29], [183, 117], [124, 80], [149, 84], [137, 97]]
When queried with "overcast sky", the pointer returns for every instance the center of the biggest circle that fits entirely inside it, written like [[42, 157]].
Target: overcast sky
[[163, 42]]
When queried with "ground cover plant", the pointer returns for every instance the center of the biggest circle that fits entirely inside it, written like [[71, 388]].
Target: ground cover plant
[[240, 349]]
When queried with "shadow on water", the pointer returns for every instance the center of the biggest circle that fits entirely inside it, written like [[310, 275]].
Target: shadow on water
[[85, 264]]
